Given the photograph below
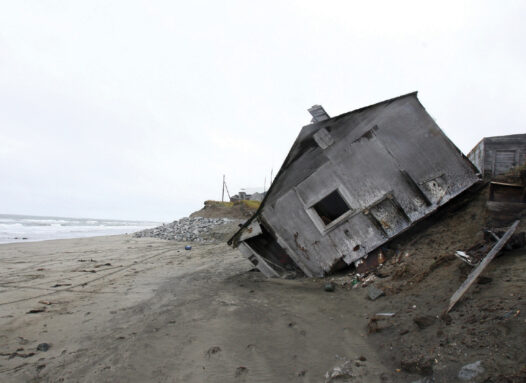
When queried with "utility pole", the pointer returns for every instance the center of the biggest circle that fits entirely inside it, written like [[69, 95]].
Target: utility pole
[[223, 190]]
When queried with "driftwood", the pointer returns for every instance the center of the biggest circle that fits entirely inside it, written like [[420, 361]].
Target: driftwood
[[472, 277]]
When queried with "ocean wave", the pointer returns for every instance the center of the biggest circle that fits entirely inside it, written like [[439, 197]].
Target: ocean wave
[[16, 228]]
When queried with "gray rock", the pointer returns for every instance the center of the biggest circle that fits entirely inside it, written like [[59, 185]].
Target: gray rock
[[425, 379], [195, 229], [43, 347], [469, 371], [424, 321], [374, 292]]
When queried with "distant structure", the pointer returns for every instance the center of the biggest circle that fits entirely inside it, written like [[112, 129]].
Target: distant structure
[[495, 156], [351, 183], [251, 194]]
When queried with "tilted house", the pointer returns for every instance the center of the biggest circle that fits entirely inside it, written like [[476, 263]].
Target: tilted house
[[495, 156], [349, 184]]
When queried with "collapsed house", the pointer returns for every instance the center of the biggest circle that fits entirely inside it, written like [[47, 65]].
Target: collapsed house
[[494, 156], [350, 184]]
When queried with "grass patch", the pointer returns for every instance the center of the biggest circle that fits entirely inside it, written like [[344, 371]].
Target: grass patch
[[249, 204], [219, 203]]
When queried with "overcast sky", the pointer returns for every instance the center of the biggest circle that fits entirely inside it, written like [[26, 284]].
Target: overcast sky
[[135, 109]]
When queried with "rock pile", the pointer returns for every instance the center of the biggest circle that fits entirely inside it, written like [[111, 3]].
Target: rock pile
[[196, 229]]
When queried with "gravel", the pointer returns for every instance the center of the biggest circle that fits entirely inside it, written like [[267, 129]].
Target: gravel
[[196, 229]]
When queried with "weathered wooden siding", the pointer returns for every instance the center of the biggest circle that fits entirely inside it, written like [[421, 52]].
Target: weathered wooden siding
[[476, 156], [497, 155], [391, 164]]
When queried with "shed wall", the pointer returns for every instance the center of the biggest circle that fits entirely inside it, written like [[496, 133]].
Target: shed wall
[[503, 153]]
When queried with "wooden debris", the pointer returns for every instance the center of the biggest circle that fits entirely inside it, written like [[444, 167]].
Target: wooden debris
[[465, 258], [480, 268], [61, 284], [36, 311]]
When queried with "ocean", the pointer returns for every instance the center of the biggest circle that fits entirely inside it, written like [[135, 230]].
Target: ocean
[[25, 228]]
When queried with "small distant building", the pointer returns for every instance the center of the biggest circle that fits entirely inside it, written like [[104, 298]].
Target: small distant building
[[351, 183], [495, 156], [249, 194]]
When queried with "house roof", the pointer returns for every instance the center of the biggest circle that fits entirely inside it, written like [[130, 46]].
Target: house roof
[[305, 145]]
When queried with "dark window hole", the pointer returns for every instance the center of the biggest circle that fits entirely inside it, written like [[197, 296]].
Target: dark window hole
[[331, 207]]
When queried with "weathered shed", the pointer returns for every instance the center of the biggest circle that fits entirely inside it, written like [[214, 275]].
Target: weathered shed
[[351, 183], [494, 156]]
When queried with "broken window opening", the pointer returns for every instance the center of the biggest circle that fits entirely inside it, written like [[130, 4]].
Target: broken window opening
[[331, 207]]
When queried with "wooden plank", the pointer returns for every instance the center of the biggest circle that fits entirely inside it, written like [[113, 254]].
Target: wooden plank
[[250, 231], [262, 265], [472, 277]]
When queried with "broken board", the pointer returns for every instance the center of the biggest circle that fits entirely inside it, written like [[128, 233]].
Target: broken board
[[472, 277]]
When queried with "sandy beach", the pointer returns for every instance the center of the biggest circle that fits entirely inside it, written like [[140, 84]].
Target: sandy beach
[[127, 309], [122, 309]]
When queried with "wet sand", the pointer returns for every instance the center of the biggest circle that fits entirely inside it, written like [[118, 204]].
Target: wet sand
[[145, 310]]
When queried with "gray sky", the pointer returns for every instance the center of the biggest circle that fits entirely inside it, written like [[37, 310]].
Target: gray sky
[[135, 109]]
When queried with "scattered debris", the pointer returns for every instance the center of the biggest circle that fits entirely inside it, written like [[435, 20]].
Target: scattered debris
[[425, 379], [101, 265], [482, 280], [240, 371], [478, 270], [374, 293], [388, 315], [469, 371], [329, 287], [340, 372], [17, 353], [43, 347], [368, 280], [188, 247], [465, 258], [422, 365], [213, 350], [61, 284], [45, 302], [424, 321], [36, 311], [378, 324]]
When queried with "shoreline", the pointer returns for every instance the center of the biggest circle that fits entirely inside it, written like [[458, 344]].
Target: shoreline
[[29, 240], [14, 227]]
